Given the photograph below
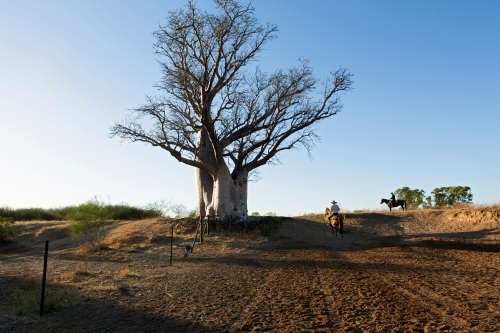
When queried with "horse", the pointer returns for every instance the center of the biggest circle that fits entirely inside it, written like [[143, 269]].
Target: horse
[[338, 224], [390, 204]]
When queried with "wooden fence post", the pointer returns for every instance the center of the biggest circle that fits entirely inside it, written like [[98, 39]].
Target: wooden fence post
[[201, 229], [44, 276], [171, 245], [208, 226]]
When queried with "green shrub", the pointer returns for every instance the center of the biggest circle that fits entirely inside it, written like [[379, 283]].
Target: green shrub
[[88, 219], [6, 212], [414, 198], [451, 196], [6, 229]]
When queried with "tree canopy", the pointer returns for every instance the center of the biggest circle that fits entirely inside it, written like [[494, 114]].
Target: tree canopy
[[440, 197], [413, 198], [451, 196], [219, 117]]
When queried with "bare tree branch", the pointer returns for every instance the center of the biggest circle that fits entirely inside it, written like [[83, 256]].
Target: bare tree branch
[[212, 114]]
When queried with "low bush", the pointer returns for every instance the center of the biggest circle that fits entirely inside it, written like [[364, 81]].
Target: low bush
[[6, 229], [87, 221]]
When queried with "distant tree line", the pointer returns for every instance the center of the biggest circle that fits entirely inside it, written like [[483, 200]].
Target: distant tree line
[[87, 220], [440, 197], [115, 212]]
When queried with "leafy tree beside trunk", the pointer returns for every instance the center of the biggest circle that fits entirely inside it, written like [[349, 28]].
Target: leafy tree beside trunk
[[451, 196], [413, 198], [440, 197], [216, 115], [428, 202]]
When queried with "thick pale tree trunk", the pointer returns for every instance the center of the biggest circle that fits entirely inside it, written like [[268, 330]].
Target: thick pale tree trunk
[[204, 180], [221, 204], [240, 193], [220, 194], [205, 187], [229, 197]]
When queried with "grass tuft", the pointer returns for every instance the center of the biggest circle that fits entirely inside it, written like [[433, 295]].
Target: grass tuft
[[26, 295], [104, 287], [79, 270], [124, 273]]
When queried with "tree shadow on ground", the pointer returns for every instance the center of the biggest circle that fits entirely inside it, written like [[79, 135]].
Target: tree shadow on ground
[[477, 240], [91, 315]]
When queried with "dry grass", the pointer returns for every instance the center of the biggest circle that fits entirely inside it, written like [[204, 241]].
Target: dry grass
[[25, 298], [311, 216], [40, 230], [75, 272], [90, 249], [145, 232], [53, 232], [124, 273], [108, 287]]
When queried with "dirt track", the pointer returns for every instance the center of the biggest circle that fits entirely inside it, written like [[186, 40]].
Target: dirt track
[[390, 273]]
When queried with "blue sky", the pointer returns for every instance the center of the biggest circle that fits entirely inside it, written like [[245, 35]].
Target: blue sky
[[424, 112]]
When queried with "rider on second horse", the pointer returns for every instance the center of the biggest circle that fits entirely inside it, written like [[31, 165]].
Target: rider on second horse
[[393, 198], [334, 209]]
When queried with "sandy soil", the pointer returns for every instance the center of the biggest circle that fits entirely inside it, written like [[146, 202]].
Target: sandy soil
[[421, 271]]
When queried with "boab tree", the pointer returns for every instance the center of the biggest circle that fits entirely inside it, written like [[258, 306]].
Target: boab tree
[[219, 117]]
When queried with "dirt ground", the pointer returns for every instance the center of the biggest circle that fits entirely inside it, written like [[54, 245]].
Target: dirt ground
[[417, 271]]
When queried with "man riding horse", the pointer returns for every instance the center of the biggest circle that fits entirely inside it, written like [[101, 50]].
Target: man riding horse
[[334, 209], [393, 199], [338, 224], [392, 202]]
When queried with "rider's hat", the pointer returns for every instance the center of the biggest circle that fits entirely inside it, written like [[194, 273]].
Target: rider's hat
[[334, 202]]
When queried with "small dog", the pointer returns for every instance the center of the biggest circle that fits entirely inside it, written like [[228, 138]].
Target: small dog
[[188, 247]]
